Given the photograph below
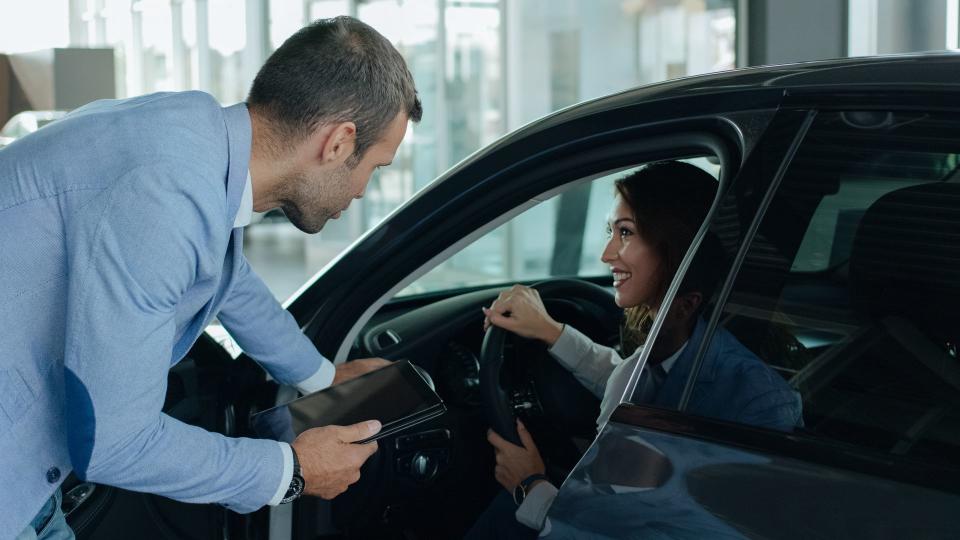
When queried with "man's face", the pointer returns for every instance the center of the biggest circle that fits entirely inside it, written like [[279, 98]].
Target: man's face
[[311, 197]]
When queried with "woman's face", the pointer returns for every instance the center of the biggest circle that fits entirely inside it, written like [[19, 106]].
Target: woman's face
[[632, 260]]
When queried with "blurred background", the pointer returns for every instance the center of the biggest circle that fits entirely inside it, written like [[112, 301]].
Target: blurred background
[[482, 67]]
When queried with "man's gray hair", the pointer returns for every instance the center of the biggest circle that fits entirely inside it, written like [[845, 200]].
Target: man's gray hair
[[335, 70]]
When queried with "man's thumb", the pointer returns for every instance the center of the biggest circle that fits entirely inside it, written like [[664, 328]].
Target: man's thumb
[[360, 431]]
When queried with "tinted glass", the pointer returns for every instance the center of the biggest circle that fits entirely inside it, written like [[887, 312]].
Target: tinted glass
[[731, 375], [849, 289], [562, 236]]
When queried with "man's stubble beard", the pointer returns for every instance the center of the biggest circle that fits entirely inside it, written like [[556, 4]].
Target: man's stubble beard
[[308, 206]]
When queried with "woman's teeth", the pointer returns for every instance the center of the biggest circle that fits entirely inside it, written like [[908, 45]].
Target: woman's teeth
[[620, 277]]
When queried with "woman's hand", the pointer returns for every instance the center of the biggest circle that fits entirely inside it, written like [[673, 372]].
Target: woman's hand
[[520, 310], [515, 463]]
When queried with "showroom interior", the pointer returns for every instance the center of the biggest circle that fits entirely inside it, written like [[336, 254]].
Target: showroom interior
[[797, 260], [482, 67]]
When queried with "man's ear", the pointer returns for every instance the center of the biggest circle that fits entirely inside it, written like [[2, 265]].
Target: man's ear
[[691, 303], [686, 305], [339, 144]]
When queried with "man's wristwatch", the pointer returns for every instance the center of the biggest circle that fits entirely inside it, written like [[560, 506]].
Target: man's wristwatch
[[520, 492], [296, 483]]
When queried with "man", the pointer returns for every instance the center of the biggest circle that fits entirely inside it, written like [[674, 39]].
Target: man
[[121, 239]]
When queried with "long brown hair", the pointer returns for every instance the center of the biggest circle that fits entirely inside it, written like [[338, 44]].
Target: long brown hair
[[669, 201]]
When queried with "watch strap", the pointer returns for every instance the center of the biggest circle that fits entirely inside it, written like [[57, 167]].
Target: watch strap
[[523, 488], [296, 462], [297, 483]]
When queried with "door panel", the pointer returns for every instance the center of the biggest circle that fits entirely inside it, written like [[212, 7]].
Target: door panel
[[641, 482]]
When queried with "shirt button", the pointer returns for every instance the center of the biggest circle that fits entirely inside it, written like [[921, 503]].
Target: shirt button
[[53, 475]]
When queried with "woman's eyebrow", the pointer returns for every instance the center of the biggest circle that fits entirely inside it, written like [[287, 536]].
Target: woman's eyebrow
[[622, 219]]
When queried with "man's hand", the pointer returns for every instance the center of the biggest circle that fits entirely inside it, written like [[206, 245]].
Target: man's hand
[[521, 311], [355, 368], [515, 463], [328, 461]]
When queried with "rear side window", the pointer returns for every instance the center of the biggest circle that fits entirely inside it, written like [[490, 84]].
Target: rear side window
[[850, 289]]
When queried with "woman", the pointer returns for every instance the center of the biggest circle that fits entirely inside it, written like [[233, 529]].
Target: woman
[[656, 213]]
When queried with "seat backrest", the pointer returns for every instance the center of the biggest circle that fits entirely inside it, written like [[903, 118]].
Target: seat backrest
[[905, 260]]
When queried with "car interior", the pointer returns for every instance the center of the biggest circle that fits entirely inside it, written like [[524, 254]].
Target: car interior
[[435, 481], [849, 287]]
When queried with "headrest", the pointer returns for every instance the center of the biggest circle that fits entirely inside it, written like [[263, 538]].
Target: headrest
[[905, 258]]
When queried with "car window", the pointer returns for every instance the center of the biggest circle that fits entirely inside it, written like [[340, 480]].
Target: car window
[[562, 236], [849, 289]]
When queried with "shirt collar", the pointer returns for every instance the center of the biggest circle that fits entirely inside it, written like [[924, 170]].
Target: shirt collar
[[669, 362], [245, 212], [236, 118]]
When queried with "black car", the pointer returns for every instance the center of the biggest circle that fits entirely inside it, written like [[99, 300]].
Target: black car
[[839, 210]]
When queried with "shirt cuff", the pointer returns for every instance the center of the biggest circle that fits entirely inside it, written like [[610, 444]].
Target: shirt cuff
[[287, 475], [319, 380], [566, 349], [533, 511]]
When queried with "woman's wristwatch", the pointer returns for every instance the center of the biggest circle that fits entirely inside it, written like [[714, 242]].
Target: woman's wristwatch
[[523, 488], [296, 483]]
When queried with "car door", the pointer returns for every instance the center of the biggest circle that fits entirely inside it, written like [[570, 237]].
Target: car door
[[844, 283], [482, 193]]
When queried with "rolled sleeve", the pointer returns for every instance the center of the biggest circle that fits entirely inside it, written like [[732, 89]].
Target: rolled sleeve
[[287, 474], [268, 333]]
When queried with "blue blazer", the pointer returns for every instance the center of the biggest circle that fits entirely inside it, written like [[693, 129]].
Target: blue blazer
[[733, 385], [117, 248]]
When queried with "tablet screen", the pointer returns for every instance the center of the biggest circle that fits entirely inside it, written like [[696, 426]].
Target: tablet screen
[[391, 394]]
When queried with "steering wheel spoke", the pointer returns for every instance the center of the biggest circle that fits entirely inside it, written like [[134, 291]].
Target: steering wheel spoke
[[519, 378]]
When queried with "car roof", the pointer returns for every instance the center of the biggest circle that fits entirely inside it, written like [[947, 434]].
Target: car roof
[[938, 70], [932, 69]]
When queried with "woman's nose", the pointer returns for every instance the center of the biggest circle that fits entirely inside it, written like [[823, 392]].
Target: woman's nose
[[609, 252]]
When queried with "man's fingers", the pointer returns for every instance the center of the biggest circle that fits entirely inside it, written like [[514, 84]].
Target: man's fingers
[[373, 364], [495, 439], [371, 449], [359, 431], [499, 442]]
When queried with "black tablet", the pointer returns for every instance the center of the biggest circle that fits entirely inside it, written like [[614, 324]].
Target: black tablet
[[397, 396]]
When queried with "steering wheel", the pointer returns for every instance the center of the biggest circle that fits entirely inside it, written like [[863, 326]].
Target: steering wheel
[[538, 386]]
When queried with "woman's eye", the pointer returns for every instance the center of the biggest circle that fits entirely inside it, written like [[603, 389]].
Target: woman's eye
[[624, 232], [607, 232]]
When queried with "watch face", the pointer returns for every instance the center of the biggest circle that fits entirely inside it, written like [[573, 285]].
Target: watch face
[[519, 494], [295, 489]]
